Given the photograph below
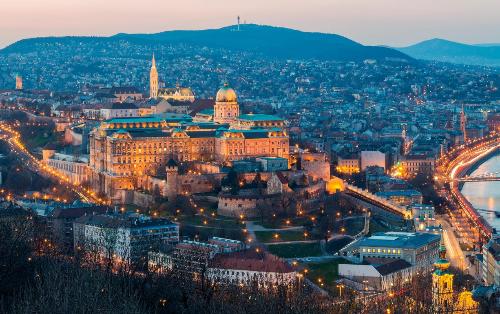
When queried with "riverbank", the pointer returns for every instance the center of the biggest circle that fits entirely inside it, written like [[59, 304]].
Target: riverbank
[[485, 196]]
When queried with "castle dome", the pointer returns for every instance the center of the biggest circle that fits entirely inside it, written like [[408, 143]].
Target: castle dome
[[226, 94]]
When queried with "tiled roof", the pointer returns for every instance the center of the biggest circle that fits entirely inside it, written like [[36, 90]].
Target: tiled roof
[[179, 103], [281, 177], [124, 90], [259, 117], [135, 119], [201, 134], [119, 105], [76, 212], [122, 221], [201, 104], [252, 261], [392, 267]]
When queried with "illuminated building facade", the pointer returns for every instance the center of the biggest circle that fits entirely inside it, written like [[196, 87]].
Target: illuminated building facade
[[178, 93], [121, 237], [153, 79], [348, 164], [443, 295], [123, 149], [418, 249]]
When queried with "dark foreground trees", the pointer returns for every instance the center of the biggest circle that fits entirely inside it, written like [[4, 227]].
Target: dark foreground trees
[[53, 283]]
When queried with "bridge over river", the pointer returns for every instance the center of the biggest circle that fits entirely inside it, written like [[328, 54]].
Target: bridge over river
[[453, 170]]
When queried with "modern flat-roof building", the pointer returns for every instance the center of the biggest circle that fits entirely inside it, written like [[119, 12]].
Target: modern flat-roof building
[[418, 249], [120, 237]]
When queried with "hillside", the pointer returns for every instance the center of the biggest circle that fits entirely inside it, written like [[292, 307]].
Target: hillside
[[449, 51], [274, 42]]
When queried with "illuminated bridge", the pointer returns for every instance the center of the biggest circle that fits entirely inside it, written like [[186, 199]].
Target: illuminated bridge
[[453, 168], [493, 176]]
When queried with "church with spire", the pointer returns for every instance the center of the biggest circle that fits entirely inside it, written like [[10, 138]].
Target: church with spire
[[153, 80], [444, 298], [177, 93]]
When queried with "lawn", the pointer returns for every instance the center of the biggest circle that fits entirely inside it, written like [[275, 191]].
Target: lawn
[[328, 272], [354, 226], [283, 236], [376, 226], [281, 222], [295, 250], [210, 221], [39, 140], [334, 246]]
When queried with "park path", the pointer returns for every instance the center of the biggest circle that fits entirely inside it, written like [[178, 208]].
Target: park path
[[255, 227], [291, 242], [251, 227]]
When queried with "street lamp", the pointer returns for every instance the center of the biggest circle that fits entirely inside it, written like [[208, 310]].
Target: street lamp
[[340, 289]]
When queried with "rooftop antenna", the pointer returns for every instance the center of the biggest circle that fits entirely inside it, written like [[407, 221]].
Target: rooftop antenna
[[238, 23]]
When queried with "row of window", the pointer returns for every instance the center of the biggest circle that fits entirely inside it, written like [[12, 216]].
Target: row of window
[[379, 250]]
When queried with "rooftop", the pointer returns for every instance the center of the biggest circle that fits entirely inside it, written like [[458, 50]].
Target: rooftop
[[252, 261], [399, 193], [132, 221], [259, 117], [77, 212], [392, 267], [410, 240], [136, 119]]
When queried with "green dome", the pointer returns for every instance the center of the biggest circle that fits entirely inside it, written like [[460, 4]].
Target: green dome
[[226, 94]]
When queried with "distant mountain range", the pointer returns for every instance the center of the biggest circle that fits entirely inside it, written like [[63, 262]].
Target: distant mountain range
[[449, 51], [274, 42]]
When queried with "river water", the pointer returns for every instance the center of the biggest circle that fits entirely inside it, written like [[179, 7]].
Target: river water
[[485, 195]]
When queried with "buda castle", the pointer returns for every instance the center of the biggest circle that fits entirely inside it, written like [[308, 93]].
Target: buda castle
[[126, 148]]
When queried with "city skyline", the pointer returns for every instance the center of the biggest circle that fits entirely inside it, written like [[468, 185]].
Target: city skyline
[[159, 157], [406, 24]]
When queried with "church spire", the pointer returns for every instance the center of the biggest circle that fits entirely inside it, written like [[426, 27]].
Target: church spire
[[153, 79]]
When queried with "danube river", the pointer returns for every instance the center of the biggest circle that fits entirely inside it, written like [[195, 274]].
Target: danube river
[[485, 195]]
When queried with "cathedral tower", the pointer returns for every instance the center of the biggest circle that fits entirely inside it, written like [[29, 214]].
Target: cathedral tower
[[442, 284], [226, 109], [153, 80]]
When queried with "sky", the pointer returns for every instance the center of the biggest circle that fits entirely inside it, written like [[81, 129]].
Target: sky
[[373, 22]]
